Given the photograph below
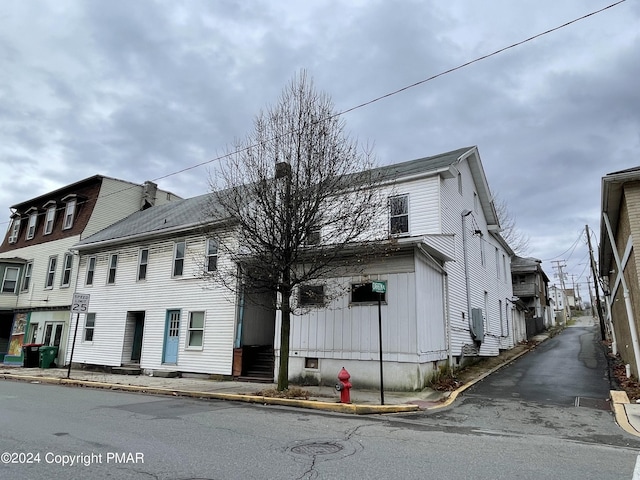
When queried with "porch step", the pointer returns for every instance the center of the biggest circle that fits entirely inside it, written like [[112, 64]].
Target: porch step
[[126, 370]]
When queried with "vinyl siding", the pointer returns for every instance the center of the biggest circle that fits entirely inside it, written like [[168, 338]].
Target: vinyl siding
[[37, 295], [117, 199], [157, 294]]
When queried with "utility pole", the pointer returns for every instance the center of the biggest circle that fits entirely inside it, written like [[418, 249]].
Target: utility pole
[[559, 265], [594, 272]]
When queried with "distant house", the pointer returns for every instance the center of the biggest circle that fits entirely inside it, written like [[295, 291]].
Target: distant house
[[530, 284], [448, 291], [619, 265], [37, 266]]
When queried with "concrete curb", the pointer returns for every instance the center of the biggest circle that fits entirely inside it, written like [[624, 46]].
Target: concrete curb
[[356, 409], [618, 402], [454, 394]]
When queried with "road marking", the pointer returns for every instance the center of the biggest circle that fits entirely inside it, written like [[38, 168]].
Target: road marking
[[636, 471]]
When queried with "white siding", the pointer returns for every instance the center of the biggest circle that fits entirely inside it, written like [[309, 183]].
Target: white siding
[[157, 294], [38, 295], [117, 199]]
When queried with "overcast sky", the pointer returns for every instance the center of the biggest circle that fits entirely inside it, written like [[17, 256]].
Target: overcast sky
[[140, 89]]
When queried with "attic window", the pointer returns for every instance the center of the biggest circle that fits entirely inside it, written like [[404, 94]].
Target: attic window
[[69, 213], [14, 229], [49, 219], [31, 229], [311, 295]]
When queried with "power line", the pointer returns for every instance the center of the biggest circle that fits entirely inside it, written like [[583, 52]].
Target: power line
[[395, 92]]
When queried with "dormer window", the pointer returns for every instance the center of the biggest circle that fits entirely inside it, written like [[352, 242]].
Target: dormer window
[[14, 229], [31, 228], [69, 213], [49, 218]]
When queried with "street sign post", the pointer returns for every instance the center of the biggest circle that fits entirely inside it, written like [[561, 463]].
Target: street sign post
[[380, 288], [79, 304]]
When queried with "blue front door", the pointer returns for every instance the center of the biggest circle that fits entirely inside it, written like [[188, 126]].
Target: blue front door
[[171, 336]]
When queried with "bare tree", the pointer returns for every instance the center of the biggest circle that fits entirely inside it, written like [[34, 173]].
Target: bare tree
[[299, 191], [515, 238]]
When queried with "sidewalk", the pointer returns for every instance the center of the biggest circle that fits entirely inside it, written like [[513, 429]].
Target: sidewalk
[[321, 398]]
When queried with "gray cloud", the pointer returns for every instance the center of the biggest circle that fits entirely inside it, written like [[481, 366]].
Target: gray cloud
[[138, 90]]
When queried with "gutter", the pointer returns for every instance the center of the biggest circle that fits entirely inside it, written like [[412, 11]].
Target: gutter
[[141, 236]]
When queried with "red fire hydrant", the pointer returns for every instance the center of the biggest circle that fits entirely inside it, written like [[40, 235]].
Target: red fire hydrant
[[344, 387]]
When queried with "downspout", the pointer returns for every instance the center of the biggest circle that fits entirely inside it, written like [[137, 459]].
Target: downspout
[[466, 213], [445, 299], [627, 297]]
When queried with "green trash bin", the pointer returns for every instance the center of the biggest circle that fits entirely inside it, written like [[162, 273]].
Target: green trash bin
[[48, 357]]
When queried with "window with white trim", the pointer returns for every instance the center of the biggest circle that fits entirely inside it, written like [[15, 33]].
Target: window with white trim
[[51, 271], [49, 219], [15, 230], [26, 279], [113, 266], [66, 270], [195, 333], [143, 261], [399, 214], [91, 270], [10, 280], [69, 213], [31, 229], [212, 255], [89, 327], [178, 258]]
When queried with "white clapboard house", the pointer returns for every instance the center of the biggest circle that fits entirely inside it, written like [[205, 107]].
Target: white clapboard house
[[448, 291]]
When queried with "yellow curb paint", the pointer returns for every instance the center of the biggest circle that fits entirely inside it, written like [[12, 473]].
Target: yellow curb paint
[[310, 404], [618, 400]]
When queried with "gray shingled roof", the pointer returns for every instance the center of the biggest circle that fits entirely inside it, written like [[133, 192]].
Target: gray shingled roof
[[189, 212], [155, 220], [425, 164]]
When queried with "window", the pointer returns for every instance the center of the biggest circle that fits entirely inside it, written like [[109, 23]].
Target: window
[[15, 230], [51, 272], [363, 293], [31, 230], [196, 329], [483, 260], [143, 260], [91, 269], [10, 280], [178, 259], [26, 280], [89, 326], [212, 255], [313, 237], [504, 268], [113, 265], [311, 295], [48, 223], [459, 183], [69, 213], [475, 202], [399, 214], [498, 270], [66, 270]]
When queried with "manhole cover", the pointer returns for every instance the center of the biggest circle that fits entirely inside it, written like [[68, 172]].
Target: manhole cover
[[316, 448]]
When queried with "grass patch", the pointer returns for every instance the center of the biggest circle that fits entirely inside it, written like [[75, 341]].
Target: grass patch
[[294, 392]]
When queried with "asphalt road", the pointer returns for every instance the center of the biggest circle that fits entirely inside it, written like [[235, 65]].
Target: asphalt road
[[131, 436], [501, 429]]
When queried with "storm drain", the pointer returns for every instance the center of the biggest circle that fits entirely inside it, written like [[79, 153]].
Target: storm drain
[[595, 403]]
